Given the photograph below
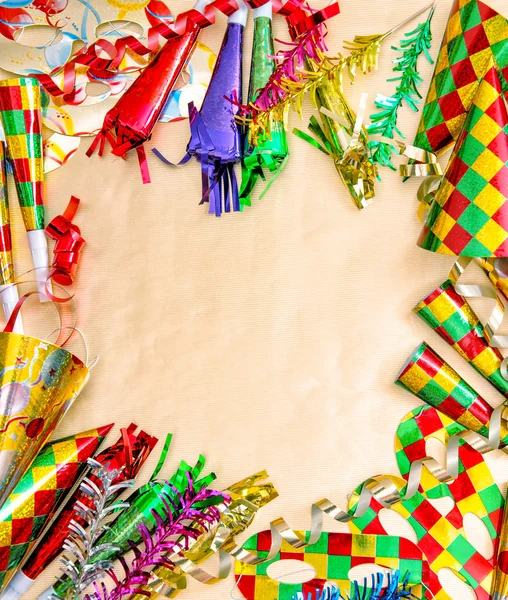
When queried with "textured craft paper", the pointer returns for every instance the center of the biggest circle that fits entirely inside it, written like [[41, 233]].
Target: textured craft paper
[[268, 339]]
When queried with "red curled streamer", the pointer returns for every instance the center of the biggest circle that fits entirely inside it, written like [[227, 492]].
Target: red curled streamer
[[105, 68], [69, 244]]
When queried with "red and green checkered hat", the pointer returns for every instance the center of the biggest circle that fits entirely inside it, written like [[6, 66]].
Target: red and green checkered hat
[[475, 35], [469, 214]]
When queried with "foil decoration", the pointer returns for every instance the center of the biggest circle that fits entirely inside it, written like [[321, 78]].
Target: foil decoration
[[427, 376], [441, 538], [188, 515], [247, 497], [468, 216], [332, 556], [146, 506], [125, 458], [453, 318], [80, 568], [215, 135], [270, 154], [134, 116], [39, 381], [475, 35], [39, 493], [21, 119]]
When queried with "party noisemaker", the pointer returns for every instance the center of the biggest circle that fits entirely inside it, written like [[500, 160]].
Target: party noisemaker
[[428, 377], [453, 318], [38, 383], [215, 135], [268, 154], [126, 456], [469, 213], [55, 470], [21, 117], [129, 124]]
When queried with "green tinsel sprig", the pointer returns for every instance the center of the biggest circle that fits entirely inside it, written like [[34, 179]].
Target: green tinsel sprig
[[384, 121]]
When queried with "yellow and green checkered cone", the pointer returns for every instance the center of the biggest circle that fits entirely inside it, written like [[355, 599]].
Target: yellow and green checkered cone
[[475, 34], [452, 317], [500, 587], [428, 377], [21, 116], [469, 214], [6, 262], [332, 557], [36, 497]]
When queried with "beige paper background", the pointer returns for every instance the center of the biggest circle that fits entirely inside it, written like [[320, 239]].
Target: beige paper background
[[268, 339]]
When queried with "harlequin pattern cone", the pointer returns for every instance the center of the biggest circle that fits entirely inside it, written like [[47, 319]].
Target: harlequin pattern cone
[[475, 34], [21, 116], [428, 377], [452, 317], [39, 381], [469, 214], [37, 495]]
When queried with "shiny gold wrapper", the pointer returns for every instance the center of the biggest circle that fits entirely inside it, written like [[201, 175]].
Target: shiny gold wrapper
[[38, 383], [247, 497]]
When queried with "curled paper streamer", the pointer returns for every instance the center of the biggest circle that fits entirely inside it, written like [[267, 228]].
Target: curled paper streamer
[[69, 244], [102, 68]]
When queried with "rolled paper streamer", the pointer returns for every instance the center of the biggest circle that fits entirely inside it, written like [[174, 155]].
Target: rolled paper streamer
[[452, 317], [215, 135], [127, 456], [54, 472], [69, 244], [134, 116], [469, 213], [39, 381], [272, 152], [428, 377], [247, 497], [21, 117], [500, 586], [496, 270], [8, 292], [153, 498]]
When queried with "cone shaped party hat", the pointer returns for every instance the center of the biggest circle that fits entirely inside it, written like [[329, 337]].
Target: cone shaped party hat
[[475, 35], [38, 383], [21, 116], [6, 262], [36, 497], [469, 214]]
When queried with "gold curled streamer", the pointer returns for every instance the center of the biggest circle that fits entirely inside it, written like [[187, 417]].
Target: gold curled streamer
[[383, 489]]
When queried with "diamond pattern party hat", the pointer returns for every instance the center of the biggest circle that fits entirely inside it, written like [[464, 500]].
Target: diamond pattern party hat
[[469, 214]]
